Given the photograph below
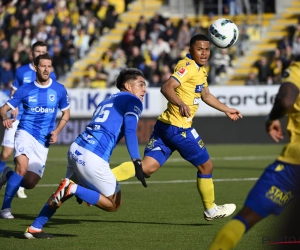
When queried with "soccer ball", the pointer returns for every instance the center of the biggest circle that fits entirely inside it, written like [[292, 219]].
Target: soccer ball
[[223, 33]]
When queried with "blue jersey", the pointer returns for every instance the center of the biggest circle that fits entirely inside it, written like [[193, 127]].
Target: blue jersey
[[107, 126], [26, 74], [40, 105]]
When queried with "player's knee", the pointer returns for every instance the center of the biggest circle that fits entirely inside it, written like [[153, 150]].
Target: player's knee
[[206, 168], [29, 185]]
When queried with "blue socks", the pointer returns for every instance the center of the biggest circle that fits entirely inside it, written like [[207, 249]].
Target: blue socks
[[45, 215], [12, 186], [2, 166], [87, 195]]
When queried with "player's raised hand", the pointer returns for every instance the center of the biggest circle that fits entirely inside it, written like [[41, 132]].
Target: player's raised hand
[[139, 174], [274, 130], [184, 110], [53, 137], [234, 114]]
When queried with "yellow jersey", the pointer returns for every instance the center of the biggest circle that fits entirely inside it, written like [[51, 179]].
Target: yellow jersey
[[291, 151], [192, 79]]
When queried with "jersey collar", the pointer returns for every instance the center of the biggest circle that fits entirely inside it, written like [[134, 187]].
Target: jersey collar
[[43, 86], [190, 57]]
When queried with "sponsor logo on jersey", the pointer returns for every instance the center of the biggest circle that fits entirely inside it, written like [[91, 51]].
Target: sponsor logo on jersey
[[75, 158], [198, 88], [32, 99], [51, 98], [150, 144], [279, 167], [27, 79], [197, 101], [201, 143], [187, 64], [77, 153], [182, 71], [278, 196], [42, 110]]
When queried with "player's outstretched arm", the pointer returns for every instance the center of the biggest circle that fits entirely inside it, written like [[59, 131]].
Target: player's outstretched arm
[[212, 101], [284, 102], [130, 126]]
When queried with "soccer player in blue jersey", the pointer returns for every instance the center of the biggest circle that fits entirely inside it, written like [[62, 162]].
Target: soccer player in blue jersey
[[280, 182], [88, 175], [24, 74], [41, 100], [173, 129]]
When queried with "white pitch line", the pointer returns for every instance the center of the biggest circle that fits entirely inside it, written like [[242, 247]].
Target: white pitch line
[[179, 159], [165, 182]]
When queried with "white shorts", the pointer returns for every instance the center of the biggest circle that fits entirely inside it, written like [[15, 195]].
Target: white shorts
[[26, 144], [9, 135], [91, 171]]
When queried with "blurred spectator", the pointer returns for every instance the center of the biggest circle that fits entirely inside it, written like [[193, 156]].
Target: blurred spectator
[[160, 47], [101, 74], [221, 65], [5, 51], [184, 36], [81, 43], [37, 16], [113, 71], [15, 38], [141, 25], [277, 72], [296, 47], [140, 37], [264, 73], [7, 75], [69, 53], [155, 81], [284, 42], [252, 79], [242, 42], [198, 29], [58, 63], [134, 59]]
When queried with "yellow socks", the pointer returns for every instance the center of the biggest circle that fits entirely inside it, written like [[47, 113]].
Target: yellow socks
[[206, 189], [124, 171], [229, 235]]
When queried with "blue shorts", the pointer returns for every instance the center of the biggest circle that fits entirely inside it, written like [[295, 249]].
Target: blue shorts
[[279, 183], [166, 138]]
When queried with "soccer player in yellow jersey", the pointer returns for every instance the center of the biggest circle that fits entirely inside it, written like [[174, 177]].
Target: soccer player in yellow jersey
[[280, 181], [173, 129]]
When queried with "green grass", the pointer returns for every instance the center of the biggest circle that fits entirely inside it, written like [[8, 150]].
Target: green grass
[[163, 216]]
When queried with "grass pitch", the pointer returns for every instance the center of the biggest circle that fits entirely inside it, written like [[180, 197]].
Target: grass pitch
[[167, 215]]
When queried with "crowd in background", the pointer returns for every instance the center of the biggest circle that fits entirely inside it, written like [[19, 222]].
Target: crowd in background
[[270, 67], [70, 27]]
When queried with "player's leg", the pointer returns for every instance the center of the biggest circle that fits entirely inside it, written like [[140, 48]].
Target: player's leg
[[270, 195], [7, 150], [98, 187], [30, 157], [8, 145], [13, 179], [230, 234], [191, 147]]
